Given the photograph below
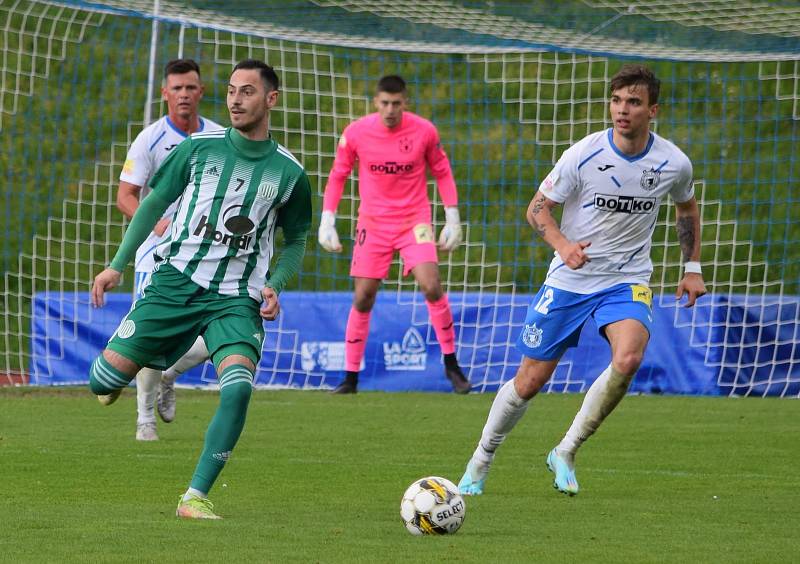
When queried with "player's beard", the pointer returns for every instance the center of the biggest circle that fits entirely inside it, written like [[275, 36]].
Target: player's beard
[[247, 125], [251, 119]]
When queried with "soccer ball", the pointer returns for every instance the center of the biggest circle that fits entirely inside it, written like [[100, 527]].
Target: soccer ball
[[432, 506]]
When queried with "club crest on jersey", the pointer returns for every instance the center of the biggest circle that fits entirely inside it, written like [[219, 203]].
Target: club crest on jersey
[[238, 226], [267, 190], [650, 179], [532, 336], [406, 145]]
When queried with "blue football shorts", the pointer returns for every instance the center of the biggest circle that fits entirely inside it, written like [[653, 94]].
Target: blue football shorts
[[555, 317]]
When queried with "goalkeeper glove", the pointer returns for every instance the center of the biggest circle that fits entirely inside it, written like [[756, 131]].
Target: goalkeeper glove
[[450, 237], [327, 236]]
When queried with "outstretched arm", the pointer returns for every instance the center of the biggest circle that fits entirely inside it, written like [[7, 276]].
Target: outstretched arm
[[688, 227], [541, 219]]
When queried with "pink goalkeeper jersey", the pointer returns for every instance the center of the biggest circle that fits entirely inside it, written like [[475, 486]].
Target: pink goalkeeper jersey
[[392, 163]]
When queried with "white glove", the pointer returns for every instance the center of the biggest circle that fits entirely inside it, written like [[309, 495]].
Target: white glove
[[327, 236], [450, 237]]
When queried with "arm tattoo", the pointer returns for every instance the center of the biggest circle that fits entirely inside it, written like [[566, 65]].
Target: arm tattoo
[[538, 206], [686, 236]]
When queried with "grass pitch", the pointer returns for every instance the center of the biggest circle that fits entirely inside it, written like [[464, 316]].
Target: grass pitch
[[318, 478]]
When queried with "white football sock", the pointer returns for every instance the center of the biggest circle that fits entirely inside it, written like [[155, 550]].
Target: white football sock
[[601, 399], [147, 381], [193, 492], [507, 409], [194, 356]]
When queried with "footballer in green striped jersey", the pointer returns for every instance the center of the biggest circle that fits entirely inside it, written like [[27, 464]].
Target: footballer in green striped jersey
[[233, 193], [234, 188]]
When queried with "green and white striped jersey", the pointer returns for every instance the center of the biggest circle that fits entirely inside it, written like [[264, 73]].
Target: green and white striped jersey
[[232, 193]]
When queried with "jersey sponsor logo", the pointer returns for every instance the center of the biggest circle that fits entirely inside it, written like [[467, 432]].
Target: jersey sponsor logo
[[391, 167], [406, 145], [170, 147], [410, 354], [624, 204], [650, 179], [642, 294], [605, 167], [532, 336], [212, 171], [239, 228]]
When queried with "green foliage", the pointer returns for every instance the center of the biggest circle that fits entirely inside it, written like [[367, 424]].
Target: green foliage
[[503, 120], [317, 478]]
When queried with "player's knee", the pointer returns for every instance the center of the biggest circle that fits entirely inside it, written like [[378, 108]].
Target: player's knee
[[531, 377], [628, 363], [433, 292], [364, 302]]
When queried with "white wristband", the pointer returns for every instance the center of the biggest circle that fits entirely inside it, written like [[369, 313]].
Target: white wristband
[[692, 267]]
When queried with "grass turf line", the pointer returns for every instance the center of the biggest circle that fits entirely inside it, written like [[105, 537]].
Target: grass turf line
[[318, 478]]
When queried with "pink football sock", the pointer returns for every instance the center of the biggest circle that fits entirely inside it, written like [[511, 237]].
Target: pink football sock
[[442, 321], [355, 337]]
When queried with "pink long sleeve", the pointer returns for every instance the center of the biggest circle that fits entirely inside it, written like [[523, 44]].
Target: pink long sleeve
[[342, 167], [440, 168]]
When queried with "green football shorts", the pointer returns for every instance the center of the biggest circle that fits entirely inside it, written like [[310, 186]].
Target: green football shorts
[[164, 323]]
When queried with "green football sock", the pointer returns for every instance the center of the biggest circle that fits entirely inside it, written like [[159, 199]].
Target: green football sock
[[234, 395], [104, 378]]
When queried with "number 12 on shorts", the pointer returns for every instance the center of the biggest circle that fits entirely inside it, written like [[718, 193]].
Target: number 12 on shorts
[[543, 306]]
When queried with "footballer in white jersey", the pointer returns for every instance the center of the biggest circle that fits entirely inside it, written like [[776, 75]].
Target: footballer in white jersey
[[612, 199], [610, 184], [147, 152], [182, 90]]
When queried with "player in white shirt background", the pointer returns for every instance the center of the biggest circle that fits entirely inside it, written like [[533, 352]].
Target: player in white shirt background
[[182, 90], [610, 184]]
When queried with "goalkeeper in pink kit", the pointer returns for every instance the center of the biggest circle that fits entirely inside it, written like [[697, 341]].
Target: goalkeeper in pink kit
[[394, 148]]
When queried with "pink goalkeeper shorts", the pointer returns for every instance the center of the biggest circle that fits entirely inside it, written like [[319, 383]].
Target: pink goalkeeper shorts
[[374, 249]]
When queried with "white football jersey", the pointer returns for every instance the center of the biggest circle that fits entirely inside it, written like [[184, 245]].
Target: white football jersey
[[611, 200], [145, 155]]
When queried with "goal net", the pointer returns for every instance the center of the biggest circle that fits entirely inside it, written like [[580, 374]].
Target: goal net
[[510, 85]]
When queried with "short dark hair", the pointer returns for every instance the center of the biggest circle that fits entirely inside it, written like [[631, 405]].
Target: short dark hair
[[393, 84], [181, 66], [267, 73], [632, 74]]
